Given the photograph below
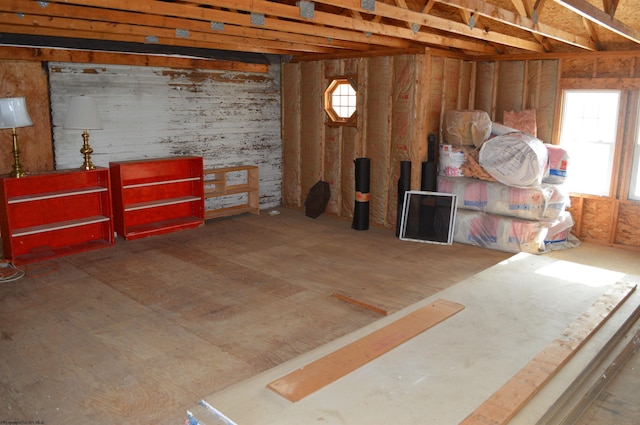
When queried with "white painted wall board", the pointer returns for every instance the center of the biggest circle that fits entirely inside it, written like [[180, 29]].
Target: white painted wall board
[[228, 118]]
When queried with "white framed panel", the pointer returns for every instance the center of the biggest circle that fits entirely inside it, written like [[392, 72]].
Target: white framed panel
[[428, 217]]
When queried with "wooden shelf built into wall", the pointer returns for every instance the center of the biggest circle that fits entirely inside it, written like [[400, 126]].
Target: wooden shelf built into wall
[[157, 196], [220, 182], [47, 215]]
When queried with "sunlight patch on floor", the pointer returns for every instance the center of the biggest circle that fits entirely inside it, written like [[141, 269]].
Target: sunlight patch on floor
[[580, 273]]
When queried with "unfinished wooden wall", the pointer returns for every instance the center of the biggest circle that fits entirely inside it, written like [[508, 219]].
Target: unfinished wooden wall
[[400, 101], [538, 84], [29, 80], [516, 86], [611, 220], [227, 117]]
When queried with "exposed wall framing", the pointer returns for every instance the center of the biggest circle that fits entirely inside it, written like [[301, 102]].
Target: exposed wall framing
[[29, 80], [608, 220], [400, 101], [401, 89]]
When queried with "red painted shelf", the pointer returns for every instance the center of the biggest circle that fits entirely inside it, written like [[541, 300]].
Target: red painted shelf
[[157, 196], [47, 215]]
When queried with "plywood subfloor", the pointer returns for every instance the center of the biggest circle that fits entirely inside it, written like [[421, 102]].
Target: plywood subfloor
[[138, 332]]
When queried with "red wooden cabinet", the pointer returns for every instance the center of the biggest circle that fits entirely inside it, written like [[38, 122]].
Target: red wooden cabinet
[[157, 196], [47, 215]]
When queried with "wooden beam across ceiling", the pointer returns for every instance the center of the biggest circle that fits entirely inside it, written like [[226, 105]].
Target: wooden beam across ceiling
[[419, 18], [66, 27], [196, 21], [597, 16], [356, 24], [526, 9], [312, 28], [522, 22], [191, 24]]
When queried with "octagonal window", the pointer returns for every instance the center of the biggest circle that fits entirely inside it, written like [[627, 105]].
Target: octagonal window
[[340, 101]]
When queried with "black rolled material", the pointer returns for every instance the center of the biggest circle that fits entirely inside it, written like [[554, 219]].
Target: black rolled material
[[404, 184], [430, 168], [429, 183], [429, 176], [431, 143], [361, 209]]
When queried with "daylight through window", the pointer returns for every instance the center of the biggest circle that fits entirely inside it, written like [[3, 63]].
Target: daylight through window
[[588, 133], [340, 101]]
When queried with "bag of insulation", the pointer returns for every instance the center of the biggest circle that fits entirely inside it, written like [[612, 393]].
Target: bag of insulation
[[558, 161], [515, 159], [466, 127]]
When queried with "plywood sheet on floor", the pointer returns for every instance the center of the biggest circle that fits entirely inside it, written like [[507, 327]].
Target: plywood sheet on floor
[[513, 311]]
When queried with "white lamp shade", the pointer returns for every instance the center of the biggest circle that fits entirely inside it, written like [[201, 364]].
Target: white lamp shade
[[82, 114], [13, 113]]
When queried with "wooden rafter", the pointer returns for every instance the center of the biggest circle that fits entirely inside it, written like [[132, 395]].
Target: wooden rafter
[[428, 6], [163, 15], [537, 9], [520, 7], [524, 8], [66, 27], [610, 7], [522, 22], [591, 30], [336, 27], [598, 17], [419, 18], [367, 27]]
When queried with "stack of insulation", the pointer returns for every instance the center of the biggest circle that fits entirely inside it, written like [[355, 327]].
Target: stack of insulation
[[509, 186]]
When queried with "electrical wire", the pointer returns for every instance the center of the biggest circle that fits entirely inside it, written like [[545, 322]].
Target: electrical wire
[[10, 273]]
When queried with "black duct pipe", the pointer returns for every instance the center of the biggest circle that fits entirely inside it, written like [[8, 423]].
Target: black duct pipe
[[404, 184], [361, 209]]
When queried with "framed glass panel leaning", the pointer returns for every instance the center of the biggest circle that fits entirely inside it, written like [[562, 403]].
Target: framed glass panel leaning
[[428, 217]]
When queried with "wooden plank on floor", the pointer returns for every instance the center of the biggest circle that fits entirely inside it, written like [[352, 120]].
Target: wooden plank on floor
[[363, 304], [505, 403], [335, 365]]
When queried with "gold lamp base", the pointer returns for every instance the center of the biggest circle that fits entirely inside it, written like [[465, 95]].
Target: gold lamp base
[[86, 151], [17, 167]]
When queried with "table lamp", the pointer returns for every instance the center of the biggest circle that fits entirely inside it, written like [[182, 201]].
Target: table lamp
[[82, 114], [14, 114]]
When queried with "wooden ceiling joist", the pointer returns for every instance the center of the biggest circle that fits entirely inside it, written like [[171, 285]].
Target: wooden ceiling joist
[[229, 13], [321, 27], [344, 22], [419, 18], [77, 16], [522, 22], [64, 27], [597, 16]]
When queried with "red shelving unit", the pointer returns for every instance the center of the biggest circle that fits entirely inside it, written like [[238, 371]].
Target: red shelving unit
[[47, 215], [157, 196]]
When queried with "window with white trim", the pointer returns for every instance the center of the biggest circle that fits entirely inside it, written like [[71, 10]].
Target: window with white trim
[[588, 131]]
